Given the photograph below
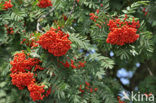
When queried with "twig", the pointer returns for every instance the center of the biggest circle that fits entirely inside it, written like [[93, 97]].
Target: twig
[[38, 27], [40, 18], [74, 4], [51, 10], [150, 72]]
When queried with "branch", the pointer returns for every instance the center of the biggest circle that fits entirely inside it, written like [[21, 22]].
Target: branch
[[74, 4]]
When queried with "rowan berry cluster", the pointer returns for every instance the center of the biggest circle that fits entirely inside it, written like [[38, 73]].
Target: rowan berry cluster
[[44, 3], [36, 91], [30, 42], [22, 63], [55, 41], [87, 88], [73, 65], [122, 32], [22, 75], [7, 5], [93, 17], [21, 80]]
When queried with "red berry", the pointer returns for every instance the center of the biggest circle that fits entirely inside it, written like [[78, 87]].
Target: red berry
[[87, 84], [101, 5], [91, 90], [95, 89]]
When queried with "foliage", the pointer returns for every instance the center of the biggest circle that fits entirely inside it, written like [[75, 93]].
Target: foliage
[[89, 44]]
